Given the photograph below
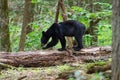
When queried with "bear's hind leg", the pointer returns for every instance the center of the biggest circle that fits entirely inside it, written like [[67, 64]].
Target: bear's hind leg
[[79, 41]]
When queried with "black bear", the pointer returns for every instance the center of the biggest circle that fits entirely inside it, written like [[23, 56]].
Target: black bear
[[58, 31]]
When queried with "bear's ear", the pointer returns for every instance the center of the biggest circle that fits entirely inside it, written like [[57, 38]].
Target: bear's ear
[[54, 25]]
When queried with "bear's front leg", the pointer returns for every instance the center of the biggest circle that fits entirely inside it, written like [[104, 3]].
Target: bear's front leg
[[61, 49], [76, 48], [52, 43], [63, 44], [44, 47]]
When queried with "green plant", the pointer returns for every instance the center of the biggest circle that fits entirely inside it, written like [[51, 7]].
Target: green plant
[[45, 18], [104, 35], [14, 36], [103, 31], [87, 40]]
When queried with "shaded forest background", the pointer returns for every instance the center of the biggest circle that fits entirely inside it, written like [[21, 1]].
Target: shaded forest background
[[23, 22], [95, 14]]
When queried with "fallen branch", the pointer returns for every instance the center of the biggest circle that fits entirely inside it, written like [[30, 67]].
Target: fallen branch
[[5, 66]]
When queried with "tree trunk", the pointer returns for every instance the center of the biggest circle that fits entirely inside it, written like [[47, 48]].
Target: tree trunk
[[92, 6], [80, 3], [91, 30], [4, 28], [92, 26], [57, 12], [70, 3], [69, 39], [116, 40], [27, 18], [53, 57]]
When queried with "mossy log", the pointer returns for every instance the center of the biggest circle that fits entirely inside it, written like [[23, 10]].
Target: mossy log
[[53, 57], [98, 68]]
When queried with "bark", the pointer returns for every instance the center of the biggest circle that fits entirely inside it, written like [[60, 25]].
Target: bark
[[27, 18], [31, 15], [53, 57], [4, 28], [57, 12], [69, 39], [116, 40], [63, 10]]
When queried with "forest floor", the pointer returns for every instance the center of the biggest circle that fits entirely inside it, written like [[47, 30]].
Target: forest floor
[[60, 72], [67, 71]]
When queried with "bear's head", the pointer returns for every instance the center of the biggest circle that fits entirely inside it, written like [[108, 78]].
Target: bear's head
[[44, 38]]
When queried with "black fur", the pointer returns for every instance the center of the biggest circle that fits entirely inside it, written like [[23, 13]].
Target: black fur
[[58, 31]]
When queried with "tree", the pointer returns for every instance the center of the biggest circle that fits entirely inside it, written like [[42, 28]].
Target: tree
[[70, 3], [62, 6], [116, 40], [27, 18], [80, 3], [4, 28], [69, 39]]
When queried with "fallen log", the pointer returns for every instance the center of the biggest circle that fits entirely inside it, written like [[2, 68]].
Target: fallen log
[[97, 68], [53, 57]]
